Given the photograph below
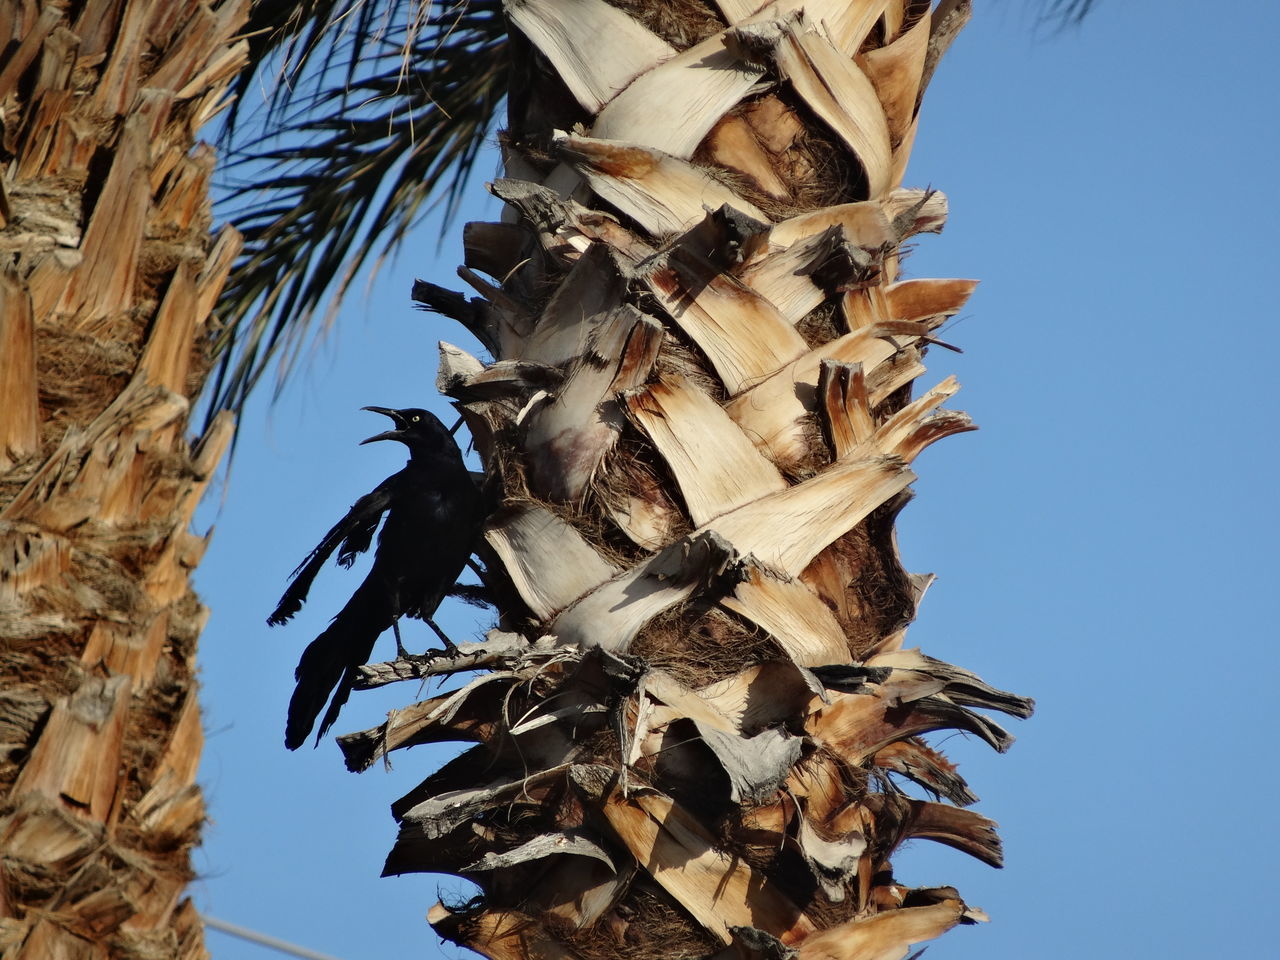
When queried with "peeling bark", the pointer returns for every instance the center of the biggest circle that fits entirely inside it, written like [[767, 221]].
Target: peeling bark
[[110, 275], [698, 704]]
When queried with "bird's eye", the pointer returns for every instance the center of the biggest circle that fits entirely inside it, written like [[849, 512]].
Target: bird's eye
[[416, 419]]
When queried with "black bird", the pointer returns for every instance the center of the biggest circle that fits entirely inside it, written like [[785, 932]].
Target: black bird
[[434, 513]]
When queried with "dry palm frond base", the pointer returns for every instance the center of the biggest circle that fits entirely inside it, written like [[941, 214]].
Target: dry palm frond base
[[697, 729], [108, 279]]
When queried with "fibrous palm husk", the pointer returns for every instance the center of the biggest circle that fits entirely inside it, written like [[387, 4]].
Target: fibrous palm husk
[[704, 427]]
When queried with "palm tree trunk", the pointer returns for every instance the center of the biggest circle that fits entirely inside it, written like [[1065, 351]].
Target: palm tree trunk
[[109, 274], [702, 732]]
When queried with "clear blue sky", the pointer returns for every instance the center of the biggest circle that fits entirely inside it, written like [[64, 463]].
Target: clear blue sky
[[1105, 543]]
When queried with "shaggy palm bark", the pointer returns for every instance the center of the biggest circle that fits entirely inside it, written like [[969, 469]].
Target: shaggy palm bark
[[698, 717], [109, 274]]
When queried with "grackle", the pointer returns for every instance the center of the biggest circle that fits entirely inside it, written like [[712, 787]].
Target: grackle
[[433, 515]]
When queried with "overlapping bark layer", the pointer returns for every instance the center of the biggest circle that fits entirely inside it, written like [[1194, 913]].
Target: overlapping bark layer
[[699, 718], [108, 278]]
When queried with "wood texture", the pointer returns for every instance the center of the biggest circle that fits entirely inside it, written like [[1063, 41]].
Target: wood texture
[[110, 274], [698, 414]]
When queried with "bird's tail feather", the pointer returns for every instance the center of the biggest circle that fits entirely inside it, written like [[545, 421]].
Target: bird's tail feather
[[328, 664], [339, 698]]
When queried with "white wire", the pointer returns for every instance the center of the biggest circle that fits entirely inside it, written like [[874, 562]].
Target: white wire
[[262, 939]]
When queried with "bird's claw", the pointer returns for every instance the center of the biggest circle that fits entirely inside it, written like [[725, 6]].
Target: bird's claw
[[450, 648]]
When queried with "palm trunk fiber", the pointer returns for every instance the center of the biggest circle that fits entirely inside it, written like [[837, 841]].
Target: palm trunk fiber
[[700, 732], [107, 278]]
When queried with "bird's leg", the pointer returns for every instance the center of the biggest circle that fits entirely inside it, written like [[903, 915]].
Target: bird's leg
[[449, 646], [401, 652]]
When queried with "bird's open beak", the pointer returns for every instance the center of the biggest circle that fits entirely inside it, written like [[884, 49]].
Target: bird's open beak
[[389, 434]]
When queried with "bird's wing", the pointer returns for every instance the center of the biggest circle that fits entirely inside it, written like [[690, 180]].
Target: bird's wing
[[354, 532], [360, 534]]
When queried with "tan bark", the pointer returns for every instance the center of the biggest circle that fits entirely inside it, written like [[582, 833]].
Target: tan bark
[[109, 277], [699, 411]]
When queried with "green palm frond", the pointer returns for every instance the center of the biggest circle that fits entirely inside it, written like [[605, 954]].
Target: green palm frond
[[1070, 11], [287, 36], [376, 113]]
